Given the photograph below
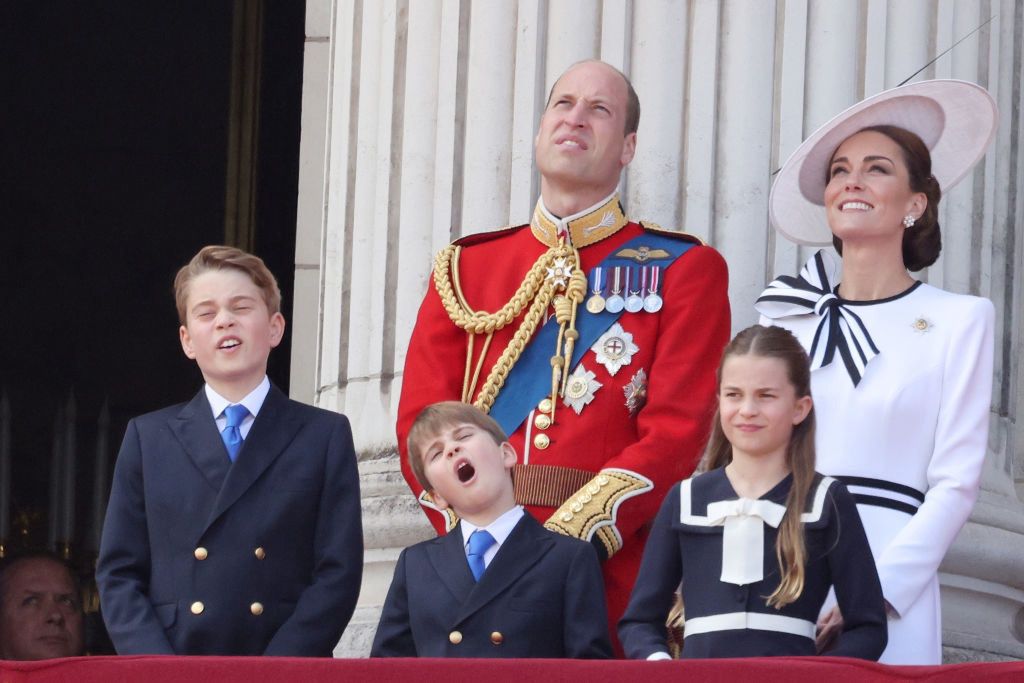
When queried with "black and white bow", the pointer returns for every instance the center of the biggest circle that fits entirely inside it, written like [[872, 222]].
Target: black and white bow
[[840, 328]]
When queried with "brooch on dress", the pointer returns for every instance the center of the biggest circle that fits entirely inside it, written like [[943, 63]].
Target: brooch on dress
[[922, 325]]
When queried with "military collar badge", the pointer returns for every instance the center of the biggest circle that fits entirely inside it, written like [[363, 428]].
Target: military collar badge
[[584, 228]]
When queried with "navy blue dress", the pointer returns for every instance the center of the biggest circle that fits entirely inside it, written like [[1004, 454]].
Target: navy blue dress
[[729, 620]]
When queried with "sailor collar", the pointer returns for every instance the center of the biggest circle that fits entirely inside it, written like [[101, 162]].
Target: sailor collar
[[584, 228]]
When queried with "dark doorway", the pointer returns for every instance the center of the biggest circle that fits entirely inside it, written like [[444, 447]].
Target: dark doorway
[[115, 146]]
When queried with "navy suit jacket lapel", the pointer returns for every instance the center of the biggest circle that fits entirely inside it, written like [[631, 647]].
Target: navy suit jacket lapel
[[519, 554], [448, 557], [271, 432], [197, 433]]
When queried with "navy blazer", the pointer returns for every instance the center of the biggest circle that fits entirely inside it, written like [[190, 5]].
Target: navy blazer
[[202, 556], [541, 596]]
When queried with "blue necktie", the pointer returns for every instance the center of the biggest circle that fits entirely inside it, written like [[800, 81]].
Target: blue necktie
[[479, 542], [232, 435]]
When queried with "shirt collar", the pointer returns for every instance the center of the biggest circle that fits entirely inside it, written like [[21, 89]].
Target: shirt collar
[[584, 228], [253, 401], [499, 528]]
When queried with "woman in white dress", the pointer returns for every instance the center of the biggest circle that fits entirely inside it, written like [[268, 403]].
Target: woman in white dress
[[902, 371]]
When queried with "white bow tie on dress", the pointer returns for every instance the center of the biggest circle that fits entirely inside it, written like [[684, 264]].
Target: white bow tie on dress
[[743, 536]]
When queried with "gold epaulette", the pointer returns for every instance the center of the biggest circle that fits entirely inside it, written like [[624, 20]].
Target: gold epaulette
[[651, 226], [450, 518], [591, 511]]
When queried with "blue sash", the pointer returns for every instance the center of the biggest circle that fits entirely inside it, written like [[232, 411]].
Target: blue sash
[[529, 381]]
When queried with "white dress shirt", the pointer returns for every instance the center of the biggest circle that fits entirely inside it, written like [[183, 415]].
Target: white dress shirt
[[253, 402], [499, 529]]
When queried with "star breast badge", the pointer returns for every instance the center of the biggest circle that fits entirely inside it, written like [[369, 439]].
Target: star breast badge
[[580, 388], [614, 349], [636, 392]]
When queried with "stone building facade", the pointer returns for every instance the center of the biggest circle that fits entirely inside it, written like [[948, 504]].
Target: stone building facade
[[417, 128]]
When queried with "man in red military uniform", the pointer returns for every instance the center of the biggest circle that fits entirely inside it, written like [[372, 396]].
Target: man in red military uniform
[[592, 339]]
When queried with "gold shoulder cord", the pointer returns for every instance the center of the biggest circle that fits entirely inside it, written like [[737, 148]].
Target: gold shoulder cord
[[556, 271]]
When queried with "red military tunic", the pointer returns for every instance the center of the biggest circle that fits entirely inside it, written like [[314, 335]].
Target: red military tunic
[[630, 453]]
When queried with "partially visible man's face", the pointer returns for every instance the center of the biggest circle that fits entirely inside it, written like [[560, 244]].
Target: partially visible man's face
[[40, 612], [582, 143]]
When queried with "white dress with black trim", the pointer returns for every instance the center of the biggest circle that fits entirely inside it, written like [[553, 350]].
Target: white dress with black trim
[[722, 549], [905, 426]]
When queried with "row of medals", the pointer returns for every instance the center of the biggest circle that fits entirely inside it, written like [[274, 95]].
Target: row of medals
[[639, 284]]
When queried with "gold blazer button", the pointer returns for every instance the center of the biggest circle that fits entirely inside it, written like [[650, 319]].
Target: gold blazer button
[[256, 608], [497, 638], [541, 441], [201, 553], [197, 607], [455, 637], [260, 553]]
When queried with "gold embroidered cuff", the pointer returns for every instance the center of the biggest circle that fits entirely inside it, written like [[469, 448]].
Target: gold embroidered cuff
[[590, 512], [450, 518]]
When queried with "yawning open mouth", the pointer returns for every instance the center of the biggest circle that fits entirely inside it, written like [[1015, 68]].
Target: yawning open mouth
[[465, 472]]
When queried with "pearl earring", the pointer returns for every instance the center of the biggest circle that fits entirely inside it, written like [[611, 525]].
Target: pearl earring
[[908, 221]]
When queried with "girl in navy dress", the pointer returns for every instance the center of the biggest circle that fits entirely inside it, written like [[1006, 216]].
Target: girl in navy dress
[[760, 537]]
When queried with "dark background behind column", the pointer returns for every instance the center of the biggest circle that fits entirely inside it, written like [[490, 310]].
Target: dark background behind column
[[114, 141]]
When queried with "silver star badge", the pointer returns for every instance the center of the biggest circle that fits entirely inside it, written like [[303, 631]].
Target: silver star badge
[[580, 388], [615, 348], [560, 272]]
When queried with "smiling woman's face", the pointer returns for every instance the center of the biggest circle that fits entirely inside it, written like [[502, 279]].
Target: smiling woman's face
[[868, 192]]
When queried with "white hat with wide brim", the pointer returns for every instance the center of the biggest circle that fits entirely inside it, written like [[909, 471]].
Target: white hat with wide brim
[[955, 119]]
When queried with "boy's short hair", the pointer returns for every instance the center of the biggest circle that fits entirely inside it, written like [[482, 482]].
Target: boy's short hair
[[220, 257], [436, 417]]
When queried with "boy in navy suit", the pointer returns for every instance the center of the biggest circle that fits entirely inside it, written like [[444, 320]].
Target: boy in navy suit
[[499, 584], [234, 520]]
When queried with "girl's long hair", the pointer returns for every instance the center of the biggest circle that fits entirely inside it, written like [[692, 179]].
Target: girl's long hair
[[777, 342]]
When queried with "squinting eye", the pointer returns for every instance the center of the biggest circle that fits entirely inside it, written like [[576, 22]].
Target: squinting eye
[[836, 171]]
